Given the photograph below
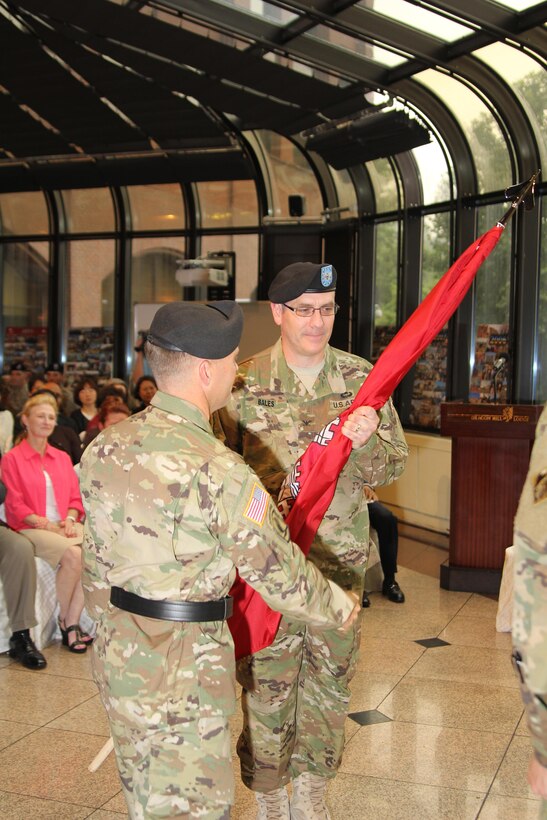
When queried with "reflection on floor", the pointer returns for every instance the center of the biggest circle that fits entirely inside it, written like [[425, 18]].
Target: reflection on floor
[[443, 733]]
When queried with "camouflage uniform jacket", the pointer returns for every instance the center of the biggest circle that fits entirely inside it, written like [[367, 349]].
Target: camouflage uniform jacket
[[271, 418], [530, 591], [171, 512]]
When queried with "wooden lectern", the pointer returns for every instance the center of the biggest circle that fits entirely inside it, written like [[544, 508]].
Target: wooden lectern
[[491, 445]]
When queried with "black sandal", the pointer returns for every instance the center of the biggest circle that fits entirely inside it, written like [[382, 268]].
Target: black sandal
[[77, 645]]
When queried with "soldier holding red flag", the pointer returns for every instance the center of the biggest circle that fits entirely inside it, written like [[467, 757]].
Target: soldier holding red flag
[[296, 690]]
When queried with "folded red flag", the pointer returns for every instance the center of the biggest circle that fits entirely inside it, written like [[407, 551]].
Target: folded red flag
[[314, 476]]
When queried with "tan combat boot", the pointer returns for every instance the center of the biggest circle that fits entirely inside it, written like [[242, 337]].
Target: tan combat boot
[[308, 799], [273, 805]]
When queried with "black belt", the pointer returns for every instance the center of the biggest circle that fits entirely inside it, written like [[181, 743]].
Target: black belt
[[172, 610]]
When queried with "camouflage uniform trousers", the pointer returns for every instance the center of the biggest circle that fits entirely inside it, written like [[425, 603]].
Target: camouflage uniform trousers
[[295, 701], [168, 689]]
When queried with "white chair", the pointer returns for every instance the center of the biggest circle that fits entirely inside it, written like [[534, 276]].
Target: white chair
[[46, 608], [46, 630]]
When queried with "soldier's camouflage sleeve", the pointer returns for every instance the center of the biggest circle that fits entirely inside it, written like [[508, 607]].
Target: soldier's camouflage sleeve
[[252, 532], [383, 457], [530, 592]]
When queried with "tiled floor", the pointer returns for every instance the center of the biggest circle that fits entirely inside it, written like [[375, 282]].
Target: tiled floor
[[451, 741]]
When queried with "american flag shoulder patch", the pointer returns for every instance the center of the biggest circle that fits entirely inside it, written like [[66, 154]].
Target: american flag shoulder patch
[[257, 505]]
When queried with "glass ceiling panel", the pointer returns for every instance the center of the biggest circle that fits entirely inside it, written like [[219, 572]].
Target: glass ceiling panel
[[384, 185], [355, 46], [488, 146], [518, 5], [411, 15], [302, 68], [196, 28], [433, 172], [260, 8], [529, 81]]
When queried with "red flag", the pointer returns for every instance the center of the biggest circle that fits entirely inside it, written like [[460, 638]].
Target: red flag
[[314, 476]]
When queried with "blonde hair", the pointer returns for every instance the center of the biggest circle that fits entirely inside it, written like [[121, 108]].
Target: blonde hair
[[35, 401]]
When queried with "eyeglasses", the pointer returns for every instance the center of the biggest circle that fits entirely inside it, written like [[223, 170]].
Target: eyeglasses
[[307, 312]]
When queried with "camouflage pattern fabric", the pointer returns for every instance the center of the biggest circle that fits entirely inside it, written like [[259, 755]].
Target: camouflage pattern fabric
[[170, 515], [274, 748], [270, 420], [530, 593]]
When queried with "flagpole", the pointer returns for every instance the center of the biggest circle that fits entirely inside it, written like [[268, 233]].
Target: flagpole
[[529, 188]]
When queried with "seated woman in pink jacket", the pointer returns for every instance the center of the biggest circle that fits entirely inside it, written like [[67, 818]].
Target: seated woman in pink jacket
[[43, 502]]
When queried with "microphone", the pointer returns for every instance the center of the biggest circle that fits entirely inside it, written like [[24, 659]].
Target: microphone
[[500, 362]]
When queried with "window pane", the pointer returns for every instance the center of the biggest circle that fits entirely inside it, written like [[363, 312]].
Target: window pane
[[529, 81], [435, 249], [541, 367], [345, 189], [486, 141], [493, 282], [91, 275], [434, 174], [355, 45], [266, 11], [228, 204], [91, 315], [412, 15], [491, 327], [289, 173], [384, 185], [23, 213], [518, 5], [429, 387], [385, 285], [245, 248], [154, 267], [156, 207], [89, 210], [24, 268]]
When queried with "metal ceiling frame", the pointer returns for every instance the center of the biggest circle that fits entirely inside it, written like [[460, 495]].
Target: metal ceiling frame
[[257, 93]]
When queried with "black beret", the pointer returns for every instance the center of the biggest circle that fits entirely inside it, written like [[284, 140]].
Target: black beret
[[302, 277], [19, 366], [210, 331]]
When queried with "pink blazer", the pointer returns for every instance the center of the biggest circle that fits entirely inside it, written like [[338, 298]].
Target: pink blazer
[[22, 473]]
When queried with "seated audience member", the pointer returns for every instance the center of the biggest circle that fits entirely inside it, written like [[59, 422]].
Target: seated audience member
[[18, 387], [385, 524], [36, 382], [110, 393], [85, 396], [145, 389], [18, 577], [112, 410], [120, 386], [6, 421], [63, 436], [43, 503], [57, 392], [55, 372]]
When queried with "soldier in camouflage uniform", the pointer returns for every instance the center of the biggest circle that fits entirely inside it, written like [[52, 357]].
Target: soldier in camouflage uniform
[[530, 606], [296, 692], [171, 513]]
